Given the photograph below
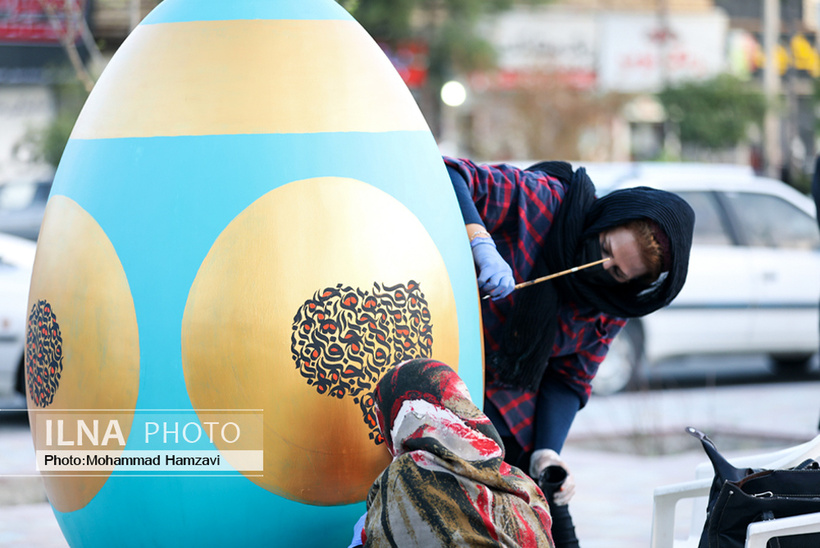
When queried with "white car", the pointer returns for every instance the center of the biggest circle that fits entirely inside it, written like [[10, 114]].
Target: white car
[[753, 285], [22, 205], [16, 262]]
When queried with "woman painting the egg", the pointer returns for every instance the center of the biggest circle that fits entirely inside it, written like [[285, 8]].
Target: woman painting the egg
[[543, 343]]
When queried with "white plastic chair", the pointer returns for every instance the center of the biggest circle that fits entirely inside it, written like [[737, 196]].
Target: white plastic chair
[[759, 533], [667, 497]]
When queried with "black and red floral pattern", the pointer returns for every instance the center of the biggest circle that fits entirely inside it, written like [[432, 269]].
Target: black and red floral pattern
[[44, 354], [344, 338]]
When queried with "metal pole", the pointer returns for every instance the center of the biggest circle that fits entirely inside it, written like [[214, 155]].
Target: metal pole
[[773, 153], [134, 15]]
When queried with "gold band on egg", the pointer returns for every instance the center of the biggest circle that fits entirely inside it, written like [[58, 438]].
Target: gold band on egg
[[248, 77]]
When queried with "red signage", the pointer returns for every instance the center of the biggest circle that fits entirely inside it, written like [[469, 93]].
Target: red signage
[[27, 22], [410, 60], [517, 79]]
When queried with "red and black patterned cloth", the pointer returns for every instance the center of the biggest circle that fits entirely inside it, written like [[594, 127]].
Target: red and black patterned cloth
[[518, 207], [447, 484]]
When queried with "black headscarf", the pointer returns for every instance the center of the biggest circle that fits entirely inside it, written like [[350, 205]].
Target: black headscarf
[[532, 324]]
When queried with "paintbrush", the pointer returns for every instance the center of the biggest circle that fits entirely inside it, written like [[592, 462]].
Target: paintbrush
[[551, 276]]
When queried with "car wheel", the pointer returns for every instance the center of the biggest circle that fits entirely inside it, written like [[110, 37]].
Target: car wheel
[[791, 364], [621, 368]]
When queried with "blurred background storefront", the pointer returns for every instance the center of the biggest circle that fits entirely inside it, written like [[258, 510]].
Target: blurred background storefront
[[626, 80], [587, 80]]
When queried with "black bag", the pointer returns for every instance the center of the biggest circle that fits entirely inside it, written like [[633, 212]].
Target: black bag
[[740, 496]]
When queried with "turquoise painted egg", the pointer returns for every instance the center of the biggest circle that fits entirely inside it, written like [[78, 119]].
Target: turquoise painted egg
[[250, 222]]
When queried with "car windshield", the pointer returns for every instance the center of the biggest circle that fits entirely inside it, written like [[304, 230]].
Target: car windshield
[[710, 228], [769, 221]]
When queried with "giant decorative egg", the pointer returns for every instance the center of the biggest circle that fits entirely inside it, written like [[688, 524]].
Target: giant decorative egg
[[250, 222]]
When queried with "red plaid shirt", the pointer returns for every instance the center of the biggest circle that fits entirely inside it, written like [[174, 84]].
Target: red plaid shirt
[[517, 208]]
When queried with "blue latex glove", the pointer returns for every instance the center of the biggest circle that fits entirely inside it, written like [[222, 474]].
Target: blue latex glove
[[495, 277], [357, 532]]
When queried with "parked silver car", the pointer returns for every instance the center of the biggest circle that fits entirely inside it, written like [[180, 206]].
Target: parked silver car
[[16, 262], [22, 205]]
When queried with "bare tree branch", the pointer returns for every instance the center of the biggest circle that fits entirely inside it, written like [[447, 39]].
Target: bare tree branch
[[75, 25]]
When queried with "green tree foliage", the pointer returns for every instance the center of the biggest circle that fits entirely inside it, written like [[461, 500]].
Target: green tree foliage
[[449, 28], [47, 144], [715, 113]]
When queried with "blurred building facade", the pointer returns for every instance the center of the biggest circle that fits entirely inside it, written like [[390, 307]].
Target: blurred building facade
[[798, 66], [577, 78], [45, 44]]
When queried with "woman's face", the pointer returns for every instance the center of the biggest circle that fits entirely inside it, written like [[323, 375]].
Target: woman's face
[[621, 247]]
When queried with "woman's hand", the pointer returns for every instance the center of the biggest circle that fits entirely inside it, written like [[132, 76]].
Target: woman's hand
[[495, 277], [542, 458]]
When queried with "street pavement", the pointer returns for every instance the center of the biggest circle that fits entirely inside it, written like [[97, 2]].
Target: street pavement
[[613, 503], [609, 451]]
